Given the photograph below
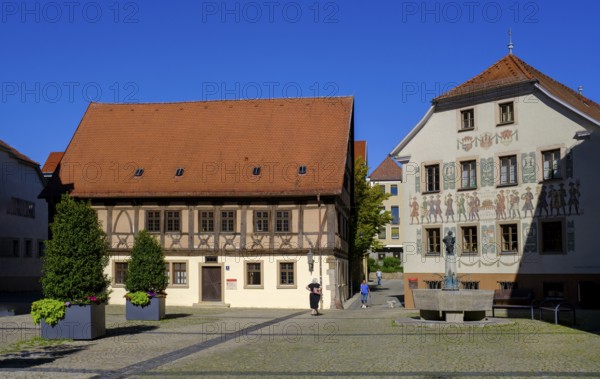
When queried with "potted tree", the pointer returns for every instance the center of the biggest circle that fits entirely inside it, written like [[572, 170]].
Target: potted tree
[[146, 280], [74, 284]]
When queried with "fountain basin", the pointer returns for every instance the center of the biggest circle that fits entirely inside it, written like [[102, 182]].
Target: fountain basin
[[453, 306]]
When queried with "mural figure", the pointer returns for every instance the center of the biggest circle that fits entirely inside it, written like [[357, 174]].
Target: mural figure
[[432, 212], [500, 206], [562, 198], [449, 209], [424, 210], [542, 202], [438, 208], [414, 210], [528, 198], [554, 197], [514, 204], [574, 197], [474, 204], [461, 207]]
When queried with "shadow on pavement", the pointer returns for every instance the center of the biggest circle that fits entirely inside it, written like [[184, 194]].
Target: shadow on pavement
[[171, 316], [128, 330], [37, 356]]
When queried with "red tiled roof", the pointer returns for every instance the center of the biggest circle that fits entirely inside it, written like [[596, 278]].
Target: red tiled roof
[[360, 150], [388, 170], [512, 70], [16, 154], [217, 143], [52, 161]]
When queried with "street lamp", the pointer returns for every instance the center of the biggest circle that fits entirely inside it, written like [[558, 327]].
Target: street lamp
[[311, 261]]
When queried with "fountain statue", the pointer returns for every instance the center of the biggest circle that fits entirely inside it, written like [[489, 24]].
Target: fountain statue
[[450, 303], [450, 281]]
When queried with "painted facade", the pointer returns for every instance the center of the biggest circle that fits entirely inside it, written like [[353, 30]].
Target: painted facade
[[509, 168], [23, 221], [247, 193]]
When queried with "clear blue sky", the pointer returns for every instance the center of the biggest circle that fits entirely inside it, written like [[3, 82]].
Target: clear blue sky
[[393, 56]]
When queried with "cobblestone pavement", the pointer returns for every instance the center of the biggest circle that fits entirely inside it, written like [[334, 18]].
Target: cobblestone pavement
[[354, 343]]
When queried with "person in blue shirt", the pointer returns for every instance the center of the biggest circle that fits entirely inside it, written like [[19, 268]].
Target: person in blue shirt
[[364, 293]]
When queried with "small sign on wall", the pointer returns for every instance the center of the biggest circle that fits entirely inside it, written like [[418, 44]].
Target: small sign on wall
[[226, 268], [232, 284]]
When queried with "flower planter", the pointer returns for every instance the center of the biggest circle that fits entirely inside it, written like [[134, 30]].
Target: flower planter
[[81, 322], [154, 311]]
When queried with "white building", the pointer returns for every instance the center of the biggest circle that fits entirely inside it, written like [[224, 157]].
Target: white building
[[23, 221], [507, 161]]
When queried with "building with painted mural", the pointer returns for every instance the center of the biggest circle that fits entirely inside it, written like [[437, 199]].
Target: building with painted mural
[[23, 221], [250, 199], [388, 176], [507, 161]]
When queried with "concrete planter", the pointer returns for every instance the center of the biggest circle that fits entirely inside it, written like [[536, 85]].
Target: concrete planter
[[81, 322], [153, 312]]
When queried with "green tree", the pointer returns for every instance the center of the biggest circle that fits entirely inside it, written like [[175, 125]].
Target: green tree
[[76, 256], [146, 270], [368, 217]]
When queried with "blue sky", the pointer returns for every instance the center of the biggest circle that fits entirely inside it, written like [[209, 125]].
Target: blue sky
[[393, 56]]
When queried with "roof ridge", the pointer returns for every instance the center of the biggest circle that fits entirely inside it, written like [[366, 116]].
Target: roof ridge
[[227, 100]]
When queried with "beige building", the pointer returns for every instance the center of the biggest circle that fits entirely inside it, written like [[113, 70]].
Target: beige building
[[250, 200], [23, 221], [507, 161], [388, 176]]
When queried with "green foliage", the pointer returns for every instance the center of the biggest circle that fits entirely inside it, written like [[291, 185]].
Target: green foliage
[[73, 269], [50, 310], [368, 216], [146, 269], [373, 265], [139, 298], [391, 262]]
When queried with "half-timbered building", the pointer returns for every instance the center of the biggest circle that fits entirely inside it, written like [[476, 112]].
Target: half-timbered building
[[250, 199]]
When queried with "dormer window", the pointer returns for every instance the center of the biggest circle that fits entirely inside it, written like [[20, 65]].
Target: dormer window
[[302, 170], [139, 172], [179, 172], [256, 171]]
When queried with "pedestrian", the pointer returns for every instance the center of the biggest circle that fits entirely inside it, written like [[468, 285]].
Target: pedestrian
[[315, 296], [364, 293], [378, 273]]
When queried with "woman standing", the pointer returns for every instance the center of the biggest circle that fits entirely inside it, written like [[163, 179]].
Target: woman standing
[[315, 296]]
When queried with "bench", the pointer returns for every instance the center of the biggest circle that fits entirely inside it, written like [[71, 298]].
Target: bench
[[556, 306], [514, 299]]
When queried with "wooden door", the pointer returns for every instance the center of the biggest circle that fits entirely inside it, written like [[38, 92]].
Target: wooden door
[[211, 283]]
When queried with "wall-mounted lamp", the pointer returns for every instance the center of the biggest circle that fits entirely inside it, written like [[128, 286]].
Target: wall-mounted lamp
[[311, 261]]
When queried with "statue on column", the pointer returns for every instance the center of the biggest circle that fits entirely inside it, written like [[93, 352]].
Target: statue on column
[[450, 279]]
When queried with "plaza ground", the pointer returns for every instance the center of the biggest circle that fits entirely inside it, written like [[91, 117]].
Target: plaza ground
[[354, 343]]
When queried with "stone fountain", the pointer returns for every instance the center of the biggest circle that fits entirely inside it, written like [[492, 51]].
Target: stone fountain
[[451, 303]]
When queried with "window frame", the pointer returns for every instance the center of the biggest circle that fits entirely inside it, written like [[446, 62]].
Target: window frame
[[436, 178], [172, 274], [472, 170], [500, 237], [152, 219], [294, 270], [28, 248], [500, 160], [563, 235], [170, 218], [556, 172], [116, 273], [260, 218], [426, 242], [393, 190], [395, 236], [206, 216], [247, 275], [461, 123], [500, 112], [461, 237], [230, 217], [283, 221]]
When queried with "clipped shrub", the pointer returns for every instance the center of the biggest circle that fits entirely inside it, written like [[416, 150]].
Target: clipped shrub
[[146, 269]]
